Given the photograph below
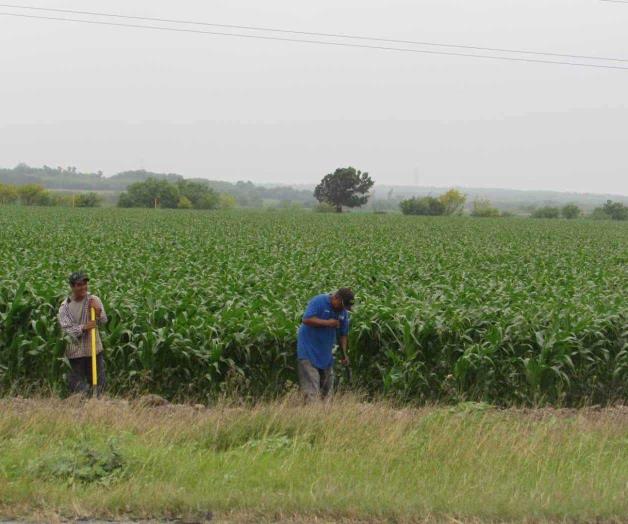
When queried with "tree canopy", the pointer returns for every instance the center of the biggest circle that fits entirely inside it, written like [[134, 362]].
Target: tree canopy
[[345, 187], [453, 202], [161, 193]]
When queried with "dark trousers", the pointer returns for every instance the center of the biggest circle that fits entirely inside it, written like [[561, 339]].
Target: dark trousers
[[80, 377]]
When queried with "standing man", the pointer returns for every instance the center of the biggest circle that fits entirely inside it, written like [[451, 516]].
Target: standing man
[[74, 319], [325, 318]]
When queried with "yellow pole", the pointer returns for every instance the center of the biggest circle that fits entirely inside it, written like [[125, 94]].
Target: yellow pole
[[94, 368]]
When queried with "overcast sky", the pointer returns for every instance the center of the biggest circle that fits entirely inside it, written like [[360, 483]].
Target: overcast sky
[[225, 108]]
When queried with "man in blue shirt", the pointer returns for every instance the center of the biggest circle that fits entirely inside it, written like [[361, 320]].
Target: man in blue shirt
[[326, 318]]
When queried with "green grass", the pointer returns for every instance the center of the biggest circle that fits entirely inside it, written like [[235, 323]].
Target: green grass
[[348, 460]]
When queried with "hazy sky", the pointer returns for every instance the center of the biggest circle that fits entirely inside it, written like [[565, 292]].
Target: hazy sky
[[225, 108]]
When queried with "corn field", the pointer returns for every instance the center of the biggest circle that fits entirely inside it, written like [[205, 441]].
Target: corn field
[[200, 304]]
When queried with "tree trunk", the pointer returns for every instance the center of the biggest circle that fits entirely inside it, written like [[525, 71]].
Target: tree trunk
[[339, 209]]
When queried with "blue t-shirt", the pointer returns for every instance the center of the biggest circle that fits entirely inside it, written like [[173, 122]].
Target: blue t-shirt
[[316, 343]]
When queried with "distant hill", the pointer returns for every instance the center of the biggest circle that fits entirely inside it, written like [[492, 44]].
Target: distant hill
[[247, 194]]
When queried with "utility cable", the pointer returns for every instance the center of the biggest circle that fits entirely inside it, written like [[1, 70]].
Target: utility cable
[[309, 33], [317, 42]]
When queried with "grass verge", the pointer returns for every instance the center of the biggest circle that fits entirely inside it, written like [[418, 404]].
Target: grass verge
[[347, 460]]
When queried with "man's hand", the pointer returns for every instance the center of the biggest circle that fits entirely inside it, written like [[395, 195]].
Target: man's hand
[[97, 309], [345, 361], [333, 323], [91, 324]]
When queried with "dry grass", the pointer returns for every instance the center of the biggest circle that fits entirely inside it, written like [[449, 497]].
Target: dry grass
[[346, 461]]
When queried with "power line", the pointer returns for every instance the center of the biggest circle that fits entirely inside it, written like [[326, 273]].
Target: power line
[[318, 42], [326, 35], [616, 1]]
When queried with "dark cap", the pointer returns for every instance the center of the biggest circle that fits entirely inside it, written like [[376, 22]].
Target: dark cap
[[78, 276], [348, 298]]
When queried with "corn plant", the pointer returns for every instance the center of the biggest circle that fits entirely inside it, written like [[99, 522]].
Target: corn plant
[[502, 311]]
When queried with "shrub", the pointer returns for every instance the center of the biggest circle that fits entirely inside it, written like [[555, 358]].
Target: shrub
[[546, 212], [611, 210], [87, 200], [33, 195], [453, 201], [570, 211], [426, 206], [482, 208], [8, 194]]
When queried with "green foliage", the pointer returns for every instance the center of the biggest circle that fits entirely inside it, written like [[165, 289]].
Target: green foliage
[[570, 211], [226, 201], [82, 463], [246, 194], [611, 211], [33, 195], [428, 206], [199, 195], [162, 193], [506, 312], [346, 187], [61, 199], [453, 201], [8, 194], [150, 193], [87, 200], [546, 212], [184, 203], [482, 208], [346, 461]]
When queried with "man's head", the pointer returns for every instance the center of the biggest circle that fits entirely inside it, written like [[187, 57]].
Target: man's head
[[78, 283], [343, 299]]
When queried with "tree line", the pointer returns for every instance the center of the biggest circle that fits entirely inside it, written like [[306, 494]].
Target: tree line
[[246, 193], [453, 203], [37, 195]]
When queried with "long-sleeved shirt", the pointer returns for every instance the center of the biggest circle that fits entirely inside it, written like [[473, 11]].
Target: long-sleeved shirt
[[79, 344]]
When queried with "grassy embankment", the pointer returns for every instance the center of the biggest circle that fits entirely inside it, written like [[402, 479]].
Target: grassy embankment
[[349, 460]]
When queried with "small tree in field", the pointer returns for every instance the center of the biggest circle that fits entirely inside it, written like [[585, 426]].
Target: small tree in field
[[615, 210], [87, 200], [345, 187], [453, 201]]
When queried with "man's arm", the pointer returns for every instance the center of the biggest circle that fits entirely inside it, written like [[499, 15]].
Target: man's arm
[[344, 338], [101, 316], [343, 346], [311, 316], [319, 322]]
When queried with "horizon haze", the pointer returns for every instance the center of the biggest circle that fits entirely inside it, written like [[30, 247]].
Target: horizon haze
[[225, 108]]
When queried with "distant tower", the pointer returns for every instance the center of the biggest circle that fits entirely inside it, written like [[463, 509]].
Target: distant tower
[[416, 176]]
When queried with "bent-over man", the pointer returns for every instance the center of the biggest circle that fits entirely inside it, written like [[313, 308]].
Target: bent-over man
[[325, 318], [74, 319]]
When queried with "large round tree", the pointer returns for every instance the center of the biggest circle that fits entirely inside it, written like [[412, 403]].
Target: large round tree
[[344, 187]]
